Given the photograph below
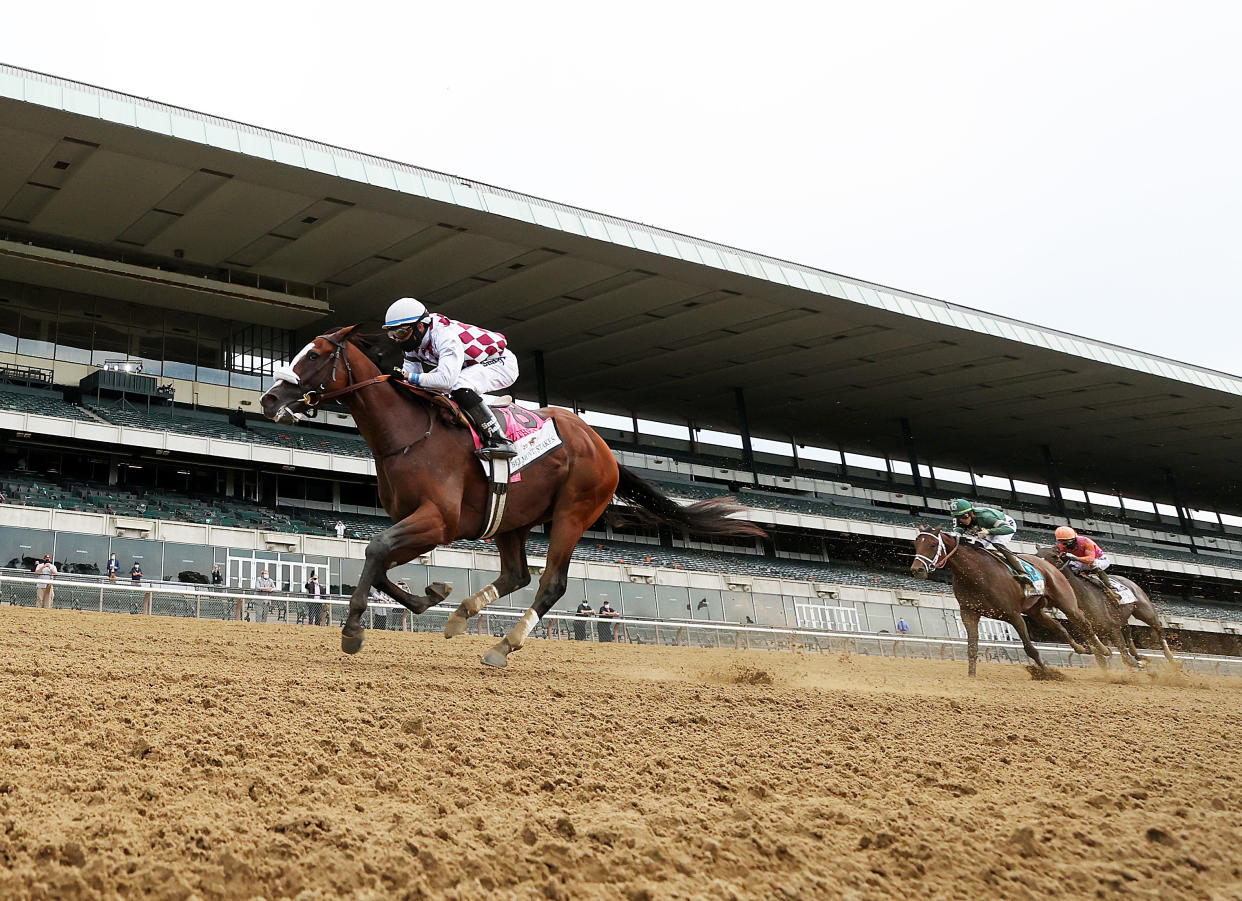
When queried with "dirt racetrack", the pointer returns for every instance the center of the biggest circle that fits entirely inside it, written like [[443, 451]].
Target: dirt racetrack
[[168, 758]]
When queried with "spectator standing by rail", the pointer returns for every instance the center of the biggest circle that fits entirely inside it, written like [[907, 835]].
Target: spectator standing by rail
[[44, 593], [583, 612], [340, 529], [606, 615], [113, 567], [267, 585], [314, 607], [135, 572], [217, 580]]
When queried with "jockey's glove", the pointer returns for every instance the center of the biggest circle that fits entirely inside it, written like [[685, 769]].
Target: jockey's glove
[[982, 533]]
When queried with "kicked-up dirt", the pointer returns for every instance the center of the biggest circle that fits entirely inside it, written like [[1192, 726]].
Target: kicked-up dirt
[[167, 758]]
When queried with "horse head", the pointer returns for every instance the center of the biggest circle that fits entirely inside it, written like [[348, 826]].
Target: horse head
[[320, 367], [932, 549]]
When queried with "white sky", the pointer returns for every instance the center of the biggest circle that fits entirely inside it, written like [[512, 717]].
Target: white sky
[[1072, 164]]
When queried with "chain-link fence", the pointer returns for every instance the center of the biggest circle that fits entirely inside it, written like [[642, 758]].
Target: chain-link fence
[[172, 599]]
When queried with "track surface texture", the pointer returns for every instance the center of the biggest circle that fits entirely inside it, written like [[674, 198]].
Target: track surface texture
[[166, 758]]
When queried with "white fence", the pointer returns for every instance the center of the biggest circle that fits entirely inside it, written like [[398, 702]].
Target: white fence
[[176, 599]]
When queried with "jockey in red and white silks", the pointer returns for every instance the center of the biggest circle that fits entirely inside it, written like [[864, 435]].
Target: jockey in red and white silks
[[454, 358]]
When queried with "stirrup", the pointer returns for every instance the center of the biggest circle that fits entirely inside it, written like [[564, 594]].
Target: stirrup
[[505, 450]]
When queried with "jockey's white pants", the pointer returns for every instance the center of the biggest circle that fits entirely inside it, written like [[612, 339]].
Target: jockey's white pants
[[1101, 562], [1003, 540], [494, 374]]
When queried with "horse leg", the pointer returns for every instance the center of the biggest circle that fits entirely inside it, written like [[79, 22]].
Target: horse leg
[[970, 619], [1014, 618], [514, 574], [1145, 612], [1082, 628], [551, 587], [1047, 621], [418, 533]]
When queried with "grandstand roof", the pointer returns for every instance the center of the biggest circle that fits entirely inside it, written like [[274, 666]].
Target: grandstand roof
[[628, 317]]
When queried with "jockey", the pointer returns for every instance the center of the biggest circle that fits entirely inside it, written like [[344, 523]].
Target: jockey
[[1084, 557], [995, 529], [460, 360]]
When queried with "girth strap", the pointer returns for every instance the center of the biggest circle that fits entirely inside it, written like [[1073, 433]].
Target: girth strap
[[497, 495]]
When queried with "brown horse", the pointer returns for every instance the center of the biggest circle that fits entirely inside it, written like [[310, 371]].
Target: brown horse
[[435, 491], [1109, 619], [984, 586]]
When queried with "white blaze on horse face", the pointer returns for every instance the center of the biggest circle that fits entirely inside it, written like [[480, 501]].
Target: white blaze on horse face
[[288, 373]]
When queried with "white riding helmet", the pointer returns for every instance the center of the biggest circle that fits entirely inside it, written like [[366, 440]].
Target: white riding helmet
[[406, 311]]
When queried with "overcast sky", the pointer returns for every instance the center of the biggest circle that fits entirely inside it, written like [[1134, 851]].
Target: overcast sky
[[1075, 164]]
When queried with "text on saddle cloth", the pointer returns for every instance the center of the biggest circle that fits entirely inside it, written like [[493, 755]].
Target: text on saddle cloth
[[532, 435]]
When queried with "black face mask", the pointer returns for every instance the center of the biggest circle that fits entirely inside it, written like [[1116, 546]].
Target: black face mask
[[415, 339]]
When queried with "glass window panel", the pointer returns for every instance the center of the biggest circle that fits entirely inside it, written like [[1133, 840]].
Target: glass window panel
[[219, 136], [17, 544], [594, 228], [673, 602], [11, 86], [570, 223], [381, 176], [81, 103], [707, 605], [410, 183], [149, 553], [769, 610], [437, 189], [467, 196], [688, 251], [794, 277], [188, 129], [289, 154], [638, 601], [506, 206], [739, 606], [153, 119], [618, 234], [319, 160], [772, 272], [256, 145], [43, 93], [595, 592], [546, 217], [348, 167], [37, 332], [85, 554], [643, 240], [184, 561]]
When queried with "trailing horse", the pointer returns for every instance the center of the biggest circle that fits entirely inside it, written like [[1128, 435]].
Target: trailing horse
[[984, 586], [1110, 619], [435, 490]]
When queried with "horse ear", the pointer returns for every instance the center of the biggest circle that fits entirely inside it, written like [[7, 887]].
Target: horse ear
[[345, 332]]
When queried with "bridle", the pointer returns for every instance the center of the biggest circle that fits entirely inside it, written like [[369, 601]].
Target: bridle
[[321, 394], [942, 553]]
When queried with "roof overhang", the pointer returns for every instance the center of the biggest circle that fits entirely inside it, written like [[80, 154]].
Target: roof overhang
[[627, 318]]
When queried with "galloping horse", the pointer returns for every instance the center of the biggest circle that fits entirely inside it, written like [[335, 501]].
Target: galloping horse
[[984, 586], [435, 491], [1110, 620]]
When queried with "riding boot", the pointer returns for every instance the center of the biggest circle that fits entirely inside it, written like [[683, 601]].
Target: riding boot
[[495, 444], [1109, 587], [1019, 573]]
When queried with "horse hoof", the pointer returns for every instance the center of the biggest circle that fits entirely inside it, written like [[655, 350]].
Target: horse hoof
[[351, 644], [498, 656], [438, 591], [457, 624]]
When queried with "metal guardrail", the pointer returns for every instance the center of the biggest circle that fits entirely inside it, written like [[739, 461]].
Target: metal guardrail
[[222, 603]]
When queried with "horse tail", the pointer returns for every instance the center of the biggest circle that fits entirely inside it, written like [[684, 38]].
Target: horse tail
[[710, 517]]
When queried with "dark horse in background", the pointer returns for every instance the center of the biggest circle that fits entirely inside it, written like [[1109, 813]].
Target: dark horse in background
[[435, 491], [1110, 619], [984, 586]]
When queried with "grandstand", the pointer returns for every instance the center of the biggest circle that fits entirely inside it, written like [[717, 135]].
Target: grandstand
[[202, 252]]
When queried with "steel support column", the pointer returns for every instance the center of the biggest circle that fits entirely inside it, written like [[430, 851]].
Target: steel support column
[[541, 379], [912, 453], [748, 452], [1054, 484]]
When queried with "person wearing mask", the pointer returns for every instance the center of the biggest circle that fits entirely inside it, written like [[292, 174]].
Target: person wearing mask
[[44, 592], [135, 572], [314, 607], [113, 567], [606, 615], [267, 585], [581, 614], [217, 579]]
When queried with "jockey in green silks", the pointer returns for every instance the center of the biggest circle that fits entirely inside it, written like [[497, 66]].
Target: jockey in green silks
[[994, 529]]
